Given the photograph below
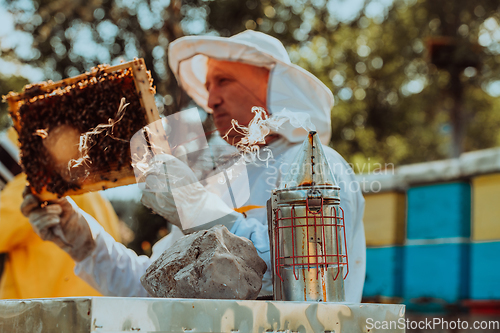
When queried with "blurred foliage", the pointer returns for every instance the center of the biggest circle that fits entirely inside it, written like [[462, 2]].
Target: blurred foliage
[[149, 229], [142, 227], [7, 84], [69, 37], [409, 76]]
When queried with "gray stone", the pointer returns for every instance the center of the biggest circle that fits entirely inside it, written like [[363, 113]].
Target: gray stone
[[212, 263]]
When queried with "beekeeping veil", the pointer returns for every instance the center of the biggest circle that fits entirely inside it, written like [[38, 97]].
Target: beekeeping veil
[[289, 87]]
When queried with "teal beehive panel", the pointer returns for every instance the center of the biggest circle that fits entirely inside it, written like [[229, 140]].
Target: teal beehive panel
[[436, 273], [439, 211], [383, 272], [485, 271]]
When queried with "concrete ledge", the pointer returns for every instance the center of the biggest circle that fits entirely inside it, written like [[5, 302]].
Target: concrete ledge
[[120, 314]]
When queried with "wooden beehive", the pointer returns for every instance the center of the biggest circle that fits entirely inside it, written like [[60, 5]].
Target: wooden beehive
[[52, 119]]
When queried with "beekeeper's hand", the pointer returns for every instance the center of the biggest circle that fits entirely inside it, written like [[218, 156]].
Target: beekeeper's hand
[[173, 191], [61, 222], [160, 200], [158, 192]]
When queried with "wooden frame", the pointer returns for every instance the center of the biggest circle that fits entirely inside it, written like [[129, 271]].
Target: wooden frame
[[146, 97]]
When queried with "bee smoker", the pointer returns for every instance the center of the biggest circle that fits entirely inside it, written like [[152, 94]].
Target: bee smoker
[[307, 231]]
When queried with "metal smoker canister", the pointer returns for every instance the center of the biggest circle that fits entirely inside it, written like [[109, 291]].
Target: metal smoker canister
[[307, 231]]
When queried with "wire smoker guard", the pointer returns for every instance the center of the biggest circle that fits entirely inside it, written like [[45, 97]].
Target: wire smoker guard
[[307, 231]]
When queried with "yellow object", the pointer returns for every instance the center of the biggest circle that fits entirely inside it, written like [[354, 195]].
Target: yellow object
[[35, 268], [384, 218], [245, 209], [12, 136], [485, 207]]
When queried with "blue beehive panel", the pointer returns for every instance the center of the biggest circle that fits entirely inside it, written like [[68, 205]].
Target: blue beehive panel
[[383, 272], [485, 271], [439, 211], [436, 272]]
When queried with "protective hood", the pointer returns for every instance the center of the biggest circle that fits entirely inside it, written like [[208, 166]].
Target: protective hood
[[289, 87]]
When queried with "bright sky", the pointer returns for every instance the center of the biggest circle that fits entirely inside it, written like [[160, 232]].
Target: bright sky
[[21, 41]]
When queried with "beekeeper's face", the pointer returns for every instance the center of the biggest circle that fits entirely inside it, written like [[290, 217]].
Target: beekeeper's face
[[233, 89]]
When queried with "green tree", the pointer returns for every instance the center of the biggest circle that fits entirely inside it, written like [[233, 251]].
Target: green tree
[[7, 84]]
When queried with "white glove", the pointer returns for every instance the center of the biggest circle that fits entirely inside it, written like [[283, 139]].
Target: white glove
[[61, 222], [173, 191], [161, 201]]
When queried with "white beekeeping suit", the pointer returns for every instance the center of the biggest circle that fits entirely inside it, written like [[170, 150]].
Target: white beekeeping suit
[[114, 270]]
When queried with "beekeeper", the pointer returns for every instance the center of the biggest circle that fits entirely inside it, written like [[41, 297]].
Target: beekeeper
[[227, 77]]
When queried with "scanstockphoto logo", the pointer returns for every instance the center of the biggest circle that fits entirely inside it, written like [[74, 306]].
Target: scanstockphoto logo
[[436, 323]]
